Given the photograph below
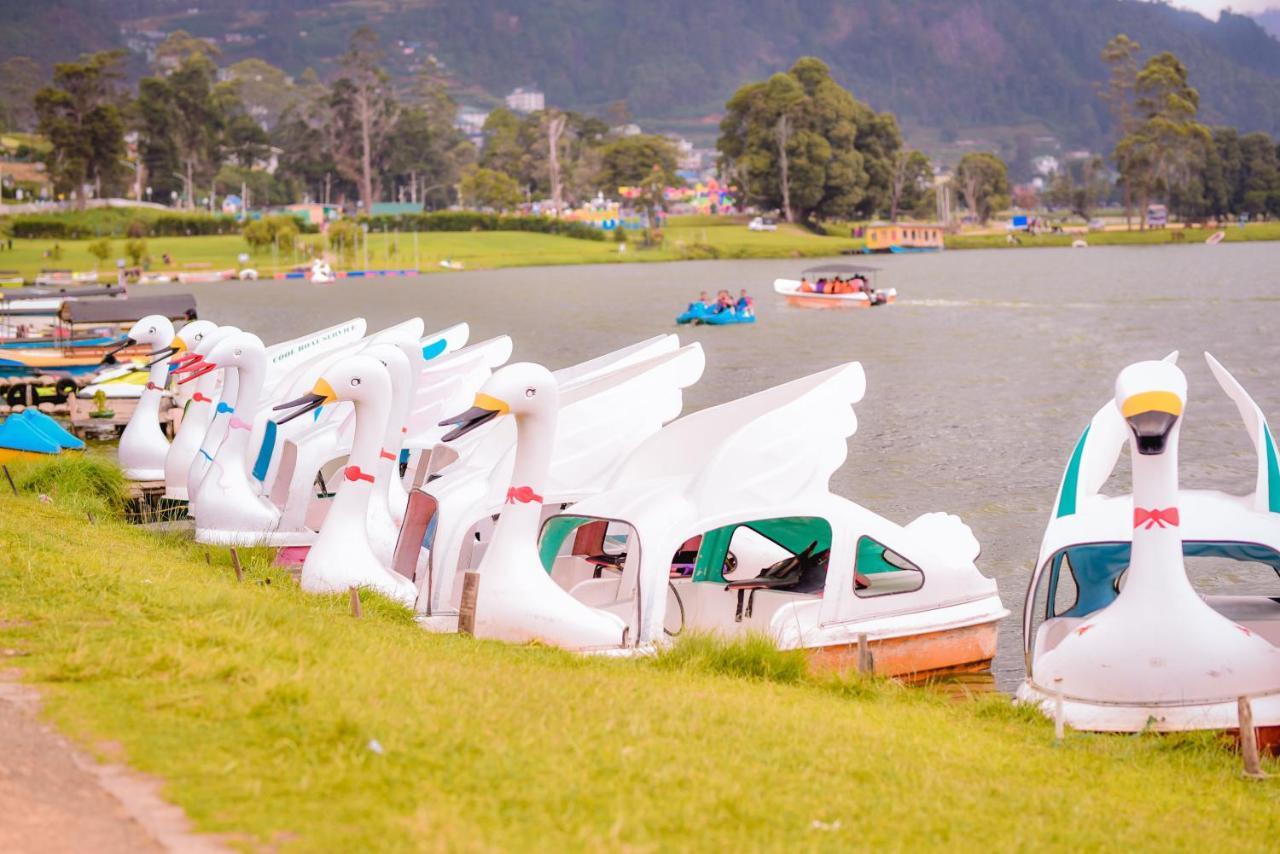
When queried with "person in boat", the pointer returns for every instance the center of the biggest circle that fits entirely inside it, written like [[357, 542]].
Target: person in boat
[[806, 287], [822, 285], [724, 302], [704, 301], [746, 305]]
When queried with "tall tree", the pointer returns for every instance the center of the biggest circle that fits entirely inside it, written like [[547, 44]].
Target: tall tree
[[306, 156], [363, 112], [81, 117], [265, 90], [1166, 137], [178, 47], [183, 121], [1121, 58], [555, 129], [1080, 186], [488, 188], [984, 183], [1260, 176], [644, 161], [804, 124], [911, 180]]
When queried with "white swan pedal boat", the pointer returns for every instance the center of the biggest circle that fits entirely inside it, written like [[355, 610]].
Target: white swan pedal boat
[[1112, 626], [648, 557]]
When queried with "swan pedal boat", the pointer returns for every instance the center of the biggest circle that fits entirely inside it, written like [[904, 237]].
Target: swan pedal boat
[[790, 288], [608, 405], [1111, 621], [733, 549], [623, 570]]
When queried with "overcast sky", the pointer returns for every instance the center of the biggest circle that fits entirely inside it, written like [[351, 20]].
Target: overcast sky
[[1212, 7]]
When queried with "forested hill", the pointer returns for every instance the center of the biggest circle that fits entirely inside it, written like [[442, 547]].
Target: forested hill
[[937, 63]]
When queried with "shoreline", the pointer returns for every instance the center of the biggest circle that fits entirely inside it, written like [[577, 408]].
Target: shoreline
[[428, 251]]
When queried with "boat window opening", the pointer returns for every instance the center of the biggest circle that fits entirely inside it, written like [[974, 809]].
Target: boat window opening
[[1095, 573], [765, 542], [575, 547], [1255, 572], [880, 571]]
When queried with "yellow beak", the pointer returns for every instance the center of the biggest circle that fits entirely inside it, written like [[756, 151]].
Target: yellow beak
[[325, 390], [485, 401], [1152, 401], [177, 344]]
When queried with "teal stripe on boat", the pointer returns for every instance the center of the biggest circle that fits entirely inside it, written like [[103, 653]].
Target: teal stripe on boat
[[1071, 481], [1273, 472], [435, 348], [263, 463]]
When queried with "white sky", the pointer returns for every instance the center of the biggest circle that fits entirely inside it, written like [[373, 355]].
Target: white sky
[[1211, 8]]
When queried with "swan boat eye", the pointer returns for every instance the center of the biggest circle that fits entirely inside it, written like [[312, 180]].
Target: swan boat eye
[[530, 392], [355, 381]]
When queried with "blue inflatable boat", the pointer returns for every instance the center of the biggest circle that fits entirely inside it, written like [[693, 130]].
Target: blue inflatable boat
[[697, 313]]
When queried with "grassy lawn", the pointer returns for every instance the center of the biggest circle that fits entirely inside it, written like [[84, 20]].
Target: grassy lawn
[[696, 238], [260, 707], [1151, 237]]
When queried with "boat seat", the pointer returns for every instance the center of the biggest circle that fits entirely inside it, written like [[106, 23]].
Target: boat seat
[[805, 572]]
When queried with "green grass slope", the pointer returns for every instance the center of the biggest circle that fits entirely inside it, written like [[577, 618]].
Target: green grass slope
[[279, 718]]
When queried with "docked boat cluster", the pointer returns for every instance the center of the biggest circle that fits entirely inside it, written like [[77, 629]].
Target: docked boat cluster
[[578, 507]]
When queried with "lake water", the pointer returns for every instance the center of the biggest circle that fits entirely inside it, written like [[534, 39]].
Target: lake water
[[979, 379]]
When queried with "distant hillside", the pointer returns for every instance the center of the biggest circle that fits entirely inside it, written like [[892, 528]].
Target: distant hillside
[[54, 30], [945, 64], [1269, 21]]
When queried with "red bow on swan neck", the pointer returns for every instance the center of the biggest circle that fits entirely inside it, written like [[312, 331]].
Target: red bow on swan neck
[[200, 398], [1155, 518], [523, 494]]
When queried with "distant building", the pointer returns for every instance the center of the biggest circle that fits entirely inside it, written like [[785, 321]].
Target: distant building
[[903, 237], [470, 120], [526, 100]]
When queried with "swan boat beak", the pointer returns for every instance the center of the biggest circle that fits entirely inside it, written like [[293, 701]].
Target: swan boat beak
[[319, 395], [193, 369], [110, 356], [175, 346], [1151, 416], [486, 409]]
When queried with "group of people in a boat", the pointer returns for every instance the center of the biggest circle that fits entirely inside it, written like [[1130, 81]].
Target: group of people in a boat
[[724, 301], [837, 285]]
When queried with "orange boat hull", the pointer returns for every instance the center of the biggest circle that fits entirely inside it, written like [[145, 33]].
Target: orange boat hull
[[965, 650]]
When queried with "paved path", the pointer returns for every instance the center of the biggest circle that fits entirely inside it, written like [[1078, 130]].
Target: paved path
[[55, 799]]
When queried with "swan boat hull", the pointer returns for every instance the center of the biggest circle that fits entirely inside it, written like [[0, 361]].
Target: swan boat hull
[[1222, 714], [961, 649]]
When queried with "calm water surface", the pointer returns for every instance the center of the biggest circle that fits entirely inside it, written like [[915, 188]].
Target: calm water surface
[[979, 380]]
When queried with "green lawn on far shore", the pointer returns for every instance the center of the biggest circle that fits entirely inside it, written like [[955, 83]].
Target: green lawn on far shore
[[1175, 236], [279, 719], [474, 250]]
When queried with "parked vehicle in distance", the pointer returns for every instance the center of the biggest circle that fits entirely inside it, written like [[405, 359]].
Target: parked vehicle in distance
[[763, 223]]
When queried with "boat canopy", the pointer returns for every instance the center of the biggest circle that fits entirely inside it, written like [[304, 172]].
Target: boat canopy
[[172, 306], [843, 269], [70, 292]]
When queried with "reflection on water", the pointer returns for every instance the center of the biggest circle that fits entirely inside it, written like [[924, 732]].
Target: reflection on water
[[979, 380]]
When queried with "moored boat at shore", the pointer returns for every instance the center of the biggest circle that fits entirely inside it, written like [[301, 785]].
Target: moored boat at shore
[[1114, 632]]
